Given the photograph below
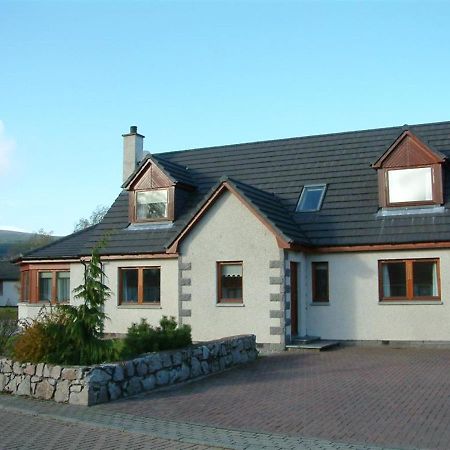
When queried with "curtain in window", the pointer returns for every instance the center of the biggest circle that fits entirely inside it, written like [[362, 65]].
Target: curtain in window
[[62, 286], [130, 286], [386, 281], [45, 286]]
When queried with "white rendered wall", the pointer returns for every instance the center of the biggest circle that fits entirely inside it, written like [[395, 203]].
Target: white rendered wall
[[122, 316], [230, 232], [10, 295], [354, 311]]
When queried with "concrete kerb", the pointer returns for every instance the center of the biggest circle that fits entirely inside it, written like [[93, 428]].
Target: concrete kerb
[[99, 417]]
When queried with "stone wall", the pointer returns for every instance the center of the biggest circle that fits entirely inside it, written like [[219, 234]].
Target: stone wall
[[106, 382]]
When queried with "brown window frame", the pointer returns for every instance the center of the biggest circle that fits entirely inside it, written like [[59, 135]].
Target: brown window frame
[[140, 291], [315, 298], [221, 300], [25, 285], [409, 280], [170, 205], [54, 286], [436, 186]]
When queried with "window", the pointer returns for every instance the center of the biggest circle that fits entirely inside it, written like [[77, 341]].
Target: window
[[411, 279], [311, 198], [151, 205], [229, 281], [140, 285], [320, 282], [1, 287], [53, 286], [410, 185]]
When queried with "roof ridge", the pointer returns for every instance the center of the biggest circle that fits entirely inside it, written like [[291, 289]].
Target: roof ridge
[[338, 133]]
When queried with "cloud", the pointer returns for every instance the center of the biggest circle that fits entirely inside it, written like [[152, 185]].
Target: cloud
[[7, 146], [13, 228]]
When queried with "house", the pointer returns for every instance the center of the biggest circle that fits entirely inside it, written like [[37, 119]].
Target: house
[[345, 236], [9, 284]]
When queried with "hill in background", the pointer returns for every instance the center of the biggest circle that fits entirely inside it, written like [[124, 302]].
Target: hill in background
[[13, 243]]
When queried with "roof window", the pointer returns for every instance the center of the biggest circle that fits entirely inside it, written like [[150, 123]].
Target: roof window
[[311, 198]]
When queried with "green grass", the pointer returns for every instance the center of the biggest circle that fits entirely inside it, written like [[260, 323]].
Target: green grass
[[8, 312]]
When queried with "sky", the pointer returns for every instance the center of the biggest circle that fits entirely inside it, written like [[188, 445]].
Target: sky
[[74, 75]]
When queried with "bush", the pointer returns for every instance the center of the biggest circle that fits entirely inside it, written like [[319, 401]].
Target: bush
[[143, 338], [7, 329]]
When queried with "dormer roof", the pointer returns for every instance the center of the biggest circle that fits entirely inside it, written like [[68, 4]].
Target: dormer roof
[[408, 150]]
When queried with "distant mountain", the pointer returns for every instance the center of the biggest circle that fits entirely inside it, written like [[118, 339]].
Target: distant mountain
[[15, 242]]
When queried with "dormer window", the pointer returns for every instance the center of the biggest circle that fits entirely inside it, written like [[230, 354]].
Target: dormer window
[[151, 205], [311, 198], [410, 174], [410, 185]]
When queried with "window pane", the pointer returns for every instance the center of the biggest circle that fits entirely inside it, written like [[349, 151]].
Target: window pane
[[310, 199], [320, 277], [231, 281], [130, 285], [152, 282], [45, 286], [151, 205], [410, 185], [425, 279], [394, 279], [25, 286], [62, 286]]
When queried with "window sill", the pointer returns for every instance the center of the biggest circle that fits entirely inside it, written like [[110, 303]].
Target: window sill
[[412, 302], [232, 305], [319, 304], [140, 306]]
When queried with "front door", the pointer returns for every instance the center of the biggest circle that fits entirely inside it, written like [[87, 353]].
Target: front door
[[294, 298]]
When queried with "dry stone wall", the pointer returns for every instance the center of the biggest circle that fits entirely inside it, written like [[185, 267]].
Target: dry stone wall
[[107, 382]]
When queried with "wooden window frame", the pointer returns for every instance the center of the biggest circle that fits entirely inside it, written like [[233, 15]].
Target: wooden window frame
[[436, 186], [170, 205], [25, 286], [409, 262], [53, 293], [220, 300], [140, 298], [315, 298]]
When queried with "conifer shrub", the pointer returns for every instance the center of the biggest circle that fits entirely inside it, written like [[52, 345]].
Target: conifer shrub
[[70, 334]]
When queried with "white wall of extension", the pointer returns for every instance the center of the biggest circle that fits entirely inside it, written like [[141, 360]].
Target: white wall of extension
[[354, 311], [230, 232], [10, 294]]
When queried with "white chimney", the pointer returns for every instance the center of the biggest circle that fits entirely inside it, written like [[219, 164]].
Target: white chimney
[[133, 145]]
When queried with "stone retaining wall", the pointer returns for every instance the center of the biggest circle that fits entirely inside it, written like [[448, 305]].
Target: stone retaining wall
[[106, 382]]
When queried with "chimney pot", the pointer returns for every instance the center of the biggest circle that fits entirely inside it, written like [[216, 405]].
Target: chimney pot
[[133, 129]]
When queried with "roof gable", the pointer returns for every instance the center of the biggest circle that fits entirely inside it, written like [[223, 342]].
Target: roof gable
[[408, 151], [149, 176], [258, 202]]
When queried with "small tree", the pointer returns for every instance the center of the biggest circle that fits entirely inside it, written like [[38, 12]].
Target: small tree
[[96, 217]]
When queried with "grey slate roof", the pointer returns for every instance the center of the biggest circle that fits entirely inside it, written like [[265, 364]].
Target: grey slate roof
[[9, 271], [271, 175]]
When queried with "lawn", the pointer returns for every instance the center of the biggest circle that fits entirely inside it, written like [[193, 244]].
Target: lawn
[[8, 312]]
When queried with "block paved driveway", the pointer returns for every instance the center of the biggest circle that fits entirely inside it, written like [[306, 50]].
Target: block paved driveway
[[381, 396], [351, 398]]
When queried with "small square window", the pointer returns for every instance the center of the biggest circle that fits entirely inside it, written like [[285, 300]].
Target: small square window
[[311, 198], [229, 279], [140, 285]]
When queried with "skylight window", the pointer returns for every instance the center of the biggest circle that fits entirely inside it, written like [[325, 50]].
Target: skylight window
[[311, 198]]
